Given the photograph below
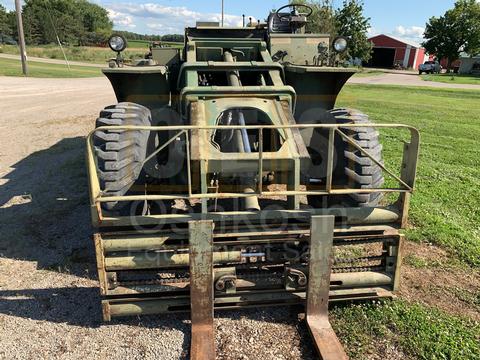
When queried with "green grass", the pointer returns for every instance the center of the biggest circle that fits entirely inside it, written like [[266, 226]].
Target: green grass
[[417, 262], [10, 67], [453, 78], [415, 331], [445, 208], [138, 43], [98, 55]]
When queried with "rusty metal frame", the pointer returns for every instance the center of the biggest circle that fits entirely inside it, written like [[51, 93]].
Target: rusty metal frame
[[406, 180], [201, 290], [321, 244]]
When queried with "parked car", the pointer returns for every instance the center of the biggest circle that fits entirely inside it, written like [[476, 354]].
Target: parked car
[[430, 67], [7, 40]]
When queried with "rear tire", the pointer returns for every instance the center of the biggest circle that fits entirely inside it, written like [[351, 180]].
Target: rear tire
[[353, 169], [121, 153]]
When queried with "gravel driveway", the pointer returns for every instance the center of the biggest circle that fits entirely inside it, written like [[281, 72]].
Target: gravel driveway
[[49, 302], [407, 79]]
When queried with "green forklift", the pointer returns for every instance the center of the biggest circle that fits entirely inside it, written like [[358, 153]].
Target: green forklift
[[225, 178]]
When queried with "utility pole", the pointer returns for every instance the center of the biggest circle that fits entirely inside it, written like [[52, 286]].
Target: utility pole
[[21, 37], [223, 12]]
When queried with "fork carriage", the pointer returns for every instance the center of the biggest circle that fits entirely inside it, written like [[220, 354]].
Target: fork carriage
[[223, 180]]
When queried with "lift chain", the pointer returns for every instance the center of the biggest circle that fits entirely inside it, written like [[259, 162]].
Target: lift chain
[[252, 275]]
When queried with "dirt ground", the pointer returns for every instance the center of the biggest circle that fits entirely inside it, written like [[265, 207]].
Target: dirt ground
[[49, 302]]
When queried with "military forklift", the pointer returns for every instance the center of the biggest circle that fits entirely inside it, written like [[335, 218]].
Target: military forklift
[[225, 178]]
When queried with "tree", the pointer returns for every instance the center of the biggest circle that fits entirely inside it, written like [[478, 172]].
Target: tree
[[322, 20], [12, 24], [351, 23], [96, 24], [76, 22], [456, 31], [4, 25], [347, 21]]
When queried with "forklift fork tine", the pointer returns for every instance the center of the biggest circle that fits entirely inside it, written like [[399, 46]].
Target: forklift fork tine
[[321, 241], [201, 290]]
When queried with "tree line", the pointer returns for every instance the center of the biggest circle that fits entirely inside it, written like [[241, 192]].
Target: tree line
[[134, 36], [79, 22], [75, 22]]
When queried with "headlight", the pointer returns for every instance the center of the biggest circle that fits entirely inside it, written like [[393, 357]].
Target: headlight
[[340, 44], [117, 43]]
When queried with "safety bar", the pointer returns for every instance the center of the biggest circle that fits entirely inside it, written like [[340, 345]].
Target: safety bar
[[407, 179]]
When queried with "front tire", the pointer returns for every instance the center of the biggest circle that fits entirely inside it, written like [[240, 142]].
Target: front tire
[[352, 169], [120, 154]]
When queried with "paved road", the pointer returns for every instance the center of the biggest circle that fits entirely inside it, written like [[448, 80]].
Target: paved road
[[407, 79], [51, 61], [394, 71]]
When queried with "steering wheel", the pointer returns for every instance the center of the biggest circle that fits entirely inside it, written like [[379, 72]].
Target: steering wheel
[[294, 6]]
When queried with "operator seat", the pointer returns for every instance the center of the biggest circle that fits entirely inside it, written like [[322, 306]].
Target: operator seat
[[280, 25]]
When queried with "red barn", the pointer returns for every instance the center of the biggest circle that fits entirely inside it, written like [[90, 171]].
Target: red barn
[[389, 51]]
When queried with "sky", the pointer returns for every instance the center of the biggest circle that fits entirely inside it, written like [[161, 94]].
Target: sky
[[403, 18]]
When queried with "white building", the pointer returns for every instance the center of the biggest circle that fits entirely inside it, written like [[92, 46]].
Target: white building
[[470, 65]]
